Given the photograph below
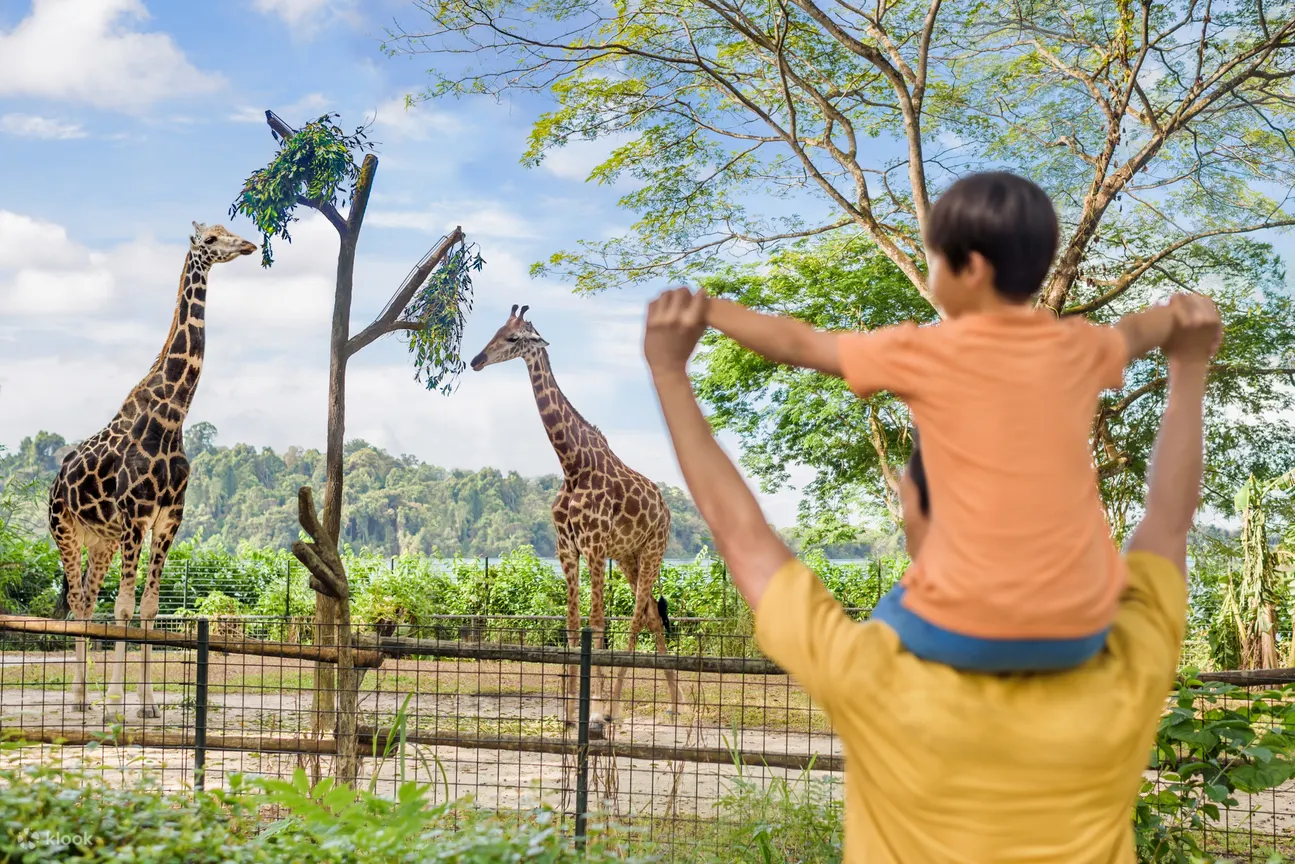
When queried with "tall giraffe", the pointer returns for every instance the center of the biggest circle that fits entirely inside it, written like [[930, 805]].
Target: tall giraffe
[[130, 476], [605, 509]]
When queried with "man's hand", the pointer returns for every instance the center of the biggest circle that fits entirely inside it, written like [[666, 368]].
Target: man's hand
[[675, 322], [1197, 330], [753, 552]]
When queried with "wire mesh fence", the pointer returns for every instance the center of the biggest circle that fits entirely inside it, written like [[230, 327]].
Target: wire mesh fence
[[505, 712]]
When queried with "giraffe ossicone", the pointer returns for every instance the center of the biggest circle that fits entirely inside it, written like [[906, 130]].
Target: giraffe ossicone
[[604, 510], [129, 478]]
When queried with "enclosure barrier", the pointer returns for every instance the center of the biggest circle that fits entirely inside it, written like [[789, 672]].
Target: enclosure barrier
[[370, 652], [589, 757]]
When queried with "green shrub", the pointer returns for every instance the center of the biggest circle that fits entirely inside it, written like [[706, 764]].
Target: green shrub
[[782, 821], [51, 815], [1216, 740]]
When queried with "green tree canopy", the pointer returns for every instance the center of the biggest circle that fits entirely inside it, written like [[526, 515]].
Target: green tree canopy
[[1162, 131], [242, 495], [855, 446]]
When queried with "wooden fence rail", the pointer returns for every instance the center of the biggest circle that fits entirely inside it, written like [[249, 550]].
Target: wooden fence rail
[[371, 651], [138, 635], [184, 739], [403, 646]]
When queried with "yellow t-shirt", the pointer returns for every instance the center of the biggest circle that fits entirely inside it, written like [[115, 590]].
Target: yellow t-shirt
[[948, 767]]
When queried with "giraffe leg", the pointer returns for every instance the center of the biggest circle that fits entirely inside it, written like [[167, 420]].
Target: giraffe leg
[[596, 558], [646, 612], [124, 609], [69, 549], [101, 553], [630, 566], [569, 558], [168, 522]]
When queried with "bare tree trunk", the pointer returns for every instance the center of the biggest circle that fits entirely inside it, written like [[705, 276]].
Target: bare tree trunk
[[333, 624], [328, 578]]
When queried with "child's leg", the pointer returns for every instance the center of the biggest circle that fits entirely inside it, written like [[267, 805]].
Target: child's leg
[[982, 655]]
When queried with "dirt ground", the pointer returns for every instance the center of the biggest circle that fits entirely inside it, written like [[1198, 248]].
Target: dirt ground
[[254, 696], [271, 697]]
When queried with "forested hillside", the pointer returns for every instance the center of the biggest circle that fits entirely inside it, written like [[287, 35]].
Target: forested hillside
[[394, 504]]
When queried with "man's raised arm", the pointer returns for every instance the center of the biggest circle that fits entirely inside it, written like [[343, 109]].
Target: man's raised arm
[[778, 338], [1174, 487], [753, 552]]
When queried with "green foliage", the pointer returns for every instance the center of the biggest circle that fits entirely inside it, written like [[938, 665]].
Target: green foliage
[[1241, 587], [785, 416], [395, 505], [53, 815], [748, 131], [29, 564], [781, 820], [1161, 133], [219, 605], [1215, 741], [317, 164], [441, 306]]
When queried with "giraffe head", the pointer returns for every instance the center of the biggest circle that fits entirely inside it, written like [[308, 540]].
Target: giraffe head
[[214, 245], [515, 339]]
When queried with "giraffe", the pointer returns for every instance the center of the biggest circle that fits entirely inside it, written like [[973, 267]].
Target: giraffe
[[605, 509], [130, 477]]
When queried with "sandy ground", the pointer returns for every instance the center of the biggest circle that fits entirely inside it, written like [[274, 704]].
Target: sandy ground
[[271, 697]]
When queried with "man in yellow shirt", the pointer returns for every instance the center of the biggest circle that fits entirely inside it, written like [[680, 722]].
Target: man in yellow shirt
[[950, 766]]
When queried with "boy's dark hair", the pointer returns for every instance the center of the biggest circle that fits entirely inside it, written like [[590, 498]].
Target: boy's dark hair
[[918, 474], [1005, 218]]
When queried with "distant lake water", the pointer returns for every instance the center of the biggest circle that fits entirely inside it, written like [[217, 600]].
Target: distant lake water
[[673, 562]]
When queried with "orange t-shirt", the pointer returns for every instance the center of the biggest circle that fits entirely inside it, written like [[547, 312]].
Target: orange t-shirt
[[1018, 545]]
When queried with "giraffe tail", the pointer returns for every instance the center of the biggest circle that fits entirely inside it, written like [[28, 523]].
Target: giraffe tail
[[61, 609], [663, 609]]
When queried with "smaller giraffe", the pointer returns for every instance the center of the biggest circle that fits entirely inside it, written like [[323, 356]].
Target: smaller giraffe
[[605, 509], [129, 478]]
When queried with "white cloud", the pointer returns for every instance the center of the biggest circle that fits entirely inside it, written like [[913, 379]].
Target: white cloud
[[305, 109], [32, 126], [28, 242], [479, 221], [307, 16], [578, 158], [81, 326], [420, 121], [86, 51]]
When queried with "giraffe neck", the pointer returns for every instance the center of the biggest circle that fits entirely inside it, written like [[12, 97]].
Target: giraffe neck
[[172, 380], [574, 438]]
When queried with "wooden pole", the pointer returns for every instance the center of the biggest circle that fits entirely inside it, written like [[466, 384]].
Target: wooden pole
[[140, 636], [398, 646], [125, 737], [656, 753]]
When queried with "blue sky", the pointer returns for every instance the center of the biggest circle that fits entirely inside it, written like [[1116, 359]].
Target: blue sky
[[123, 120]]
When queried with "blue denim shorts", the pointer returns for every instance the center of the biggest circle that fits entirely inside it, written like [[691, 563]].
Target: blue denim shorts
[[968, 653]]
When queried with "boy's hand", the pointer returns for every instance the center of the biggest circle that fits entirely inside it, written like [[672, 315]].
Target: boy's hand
[[676, 321], [1197, 330]]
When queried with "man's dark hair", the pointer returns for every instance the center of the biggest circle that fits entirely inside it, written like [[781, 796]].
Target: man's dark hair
[[1005, 218], [918, 474]]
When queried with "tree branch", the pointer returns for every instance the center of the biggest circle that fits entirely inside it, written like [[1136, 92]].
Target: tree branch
[[284, 132], [1142, 266], [1122, 405], [388, 320], [321, 558]]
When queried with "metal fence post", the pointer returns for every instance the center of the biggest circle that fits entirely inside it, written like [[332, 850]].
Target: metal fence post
[[582, 739], [723, 586], [200, 710]]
